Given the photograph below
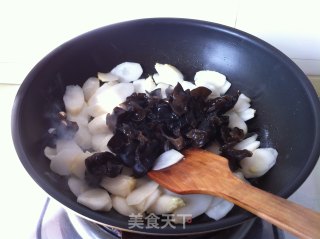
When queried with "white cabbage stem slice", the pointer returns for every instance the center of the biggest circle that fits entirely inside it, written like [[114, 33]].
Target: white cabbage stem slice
[[242, 103], [236, 121], [196, 204], [97, 109], [209, 85], [96, 199], [244, 144], [166, 204], [118, 93], [167, 74], [187, 85], [121, 185], [244, 97], [81, 118], [77, 186], [215, 201], [121, 206], [144, 85], [99, 95], [146, 204], [139, 86], [163, 88], [207, 77], [141, 193], [73, 99], [107, 97], [247, 114], [225, 87], [78, 166], [98, 125], [107, 77], [220, 210], [83, 137], [127, 71], [100, 141], [62, 162], [156, 78], [67, 144], [214, 93], [241, 106], [253, 146], [49, 152], [259, 163], [111, 83], [90, 87], [167, 159]]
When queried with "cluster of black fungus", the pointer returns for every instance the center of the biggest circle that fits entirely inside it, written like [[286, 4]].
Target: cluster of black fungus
[[146, 125], [101, 164]]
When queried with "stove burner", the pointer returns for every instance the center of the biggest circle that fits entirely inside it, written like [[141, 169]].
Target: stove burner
[[57, 223]]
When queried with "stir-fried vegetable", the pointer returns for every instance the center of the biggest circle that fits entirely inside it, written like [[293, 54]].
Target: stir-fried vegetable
[[117, 126]]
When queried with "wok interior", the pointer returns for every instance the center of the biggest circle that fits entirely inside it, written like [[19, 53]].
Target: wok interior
[[285, 117]]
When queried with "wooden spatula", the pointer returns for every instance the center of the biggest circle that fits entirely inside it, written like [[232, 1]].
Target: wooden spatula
[[206, 173]]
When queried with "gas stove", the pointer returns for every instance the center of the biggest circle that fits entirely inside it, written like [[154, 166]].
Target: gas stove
[[56, 222]]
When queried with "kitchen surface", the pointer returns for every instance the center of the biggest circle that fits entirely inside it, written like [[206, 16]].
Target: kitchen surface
[[31, 29]]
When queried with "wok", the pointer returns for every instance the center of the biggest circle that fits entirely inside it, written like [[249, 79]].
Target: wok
[[287, 106]]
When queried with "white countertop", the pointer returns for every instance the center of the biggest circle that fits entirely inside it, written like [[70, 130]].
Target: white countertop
[[22, 199]]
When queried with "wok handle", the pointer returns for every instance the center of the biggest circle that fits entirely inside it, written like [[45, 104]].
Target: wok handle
[[298, 220]]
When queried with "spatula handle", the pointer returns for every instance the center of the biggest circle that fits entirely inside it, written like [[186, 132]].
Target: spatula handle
[[300, 221], [206, 173]]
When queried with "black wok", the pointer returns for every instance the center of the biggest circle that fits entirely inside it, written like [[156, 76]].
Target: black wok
[[288, 111]]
